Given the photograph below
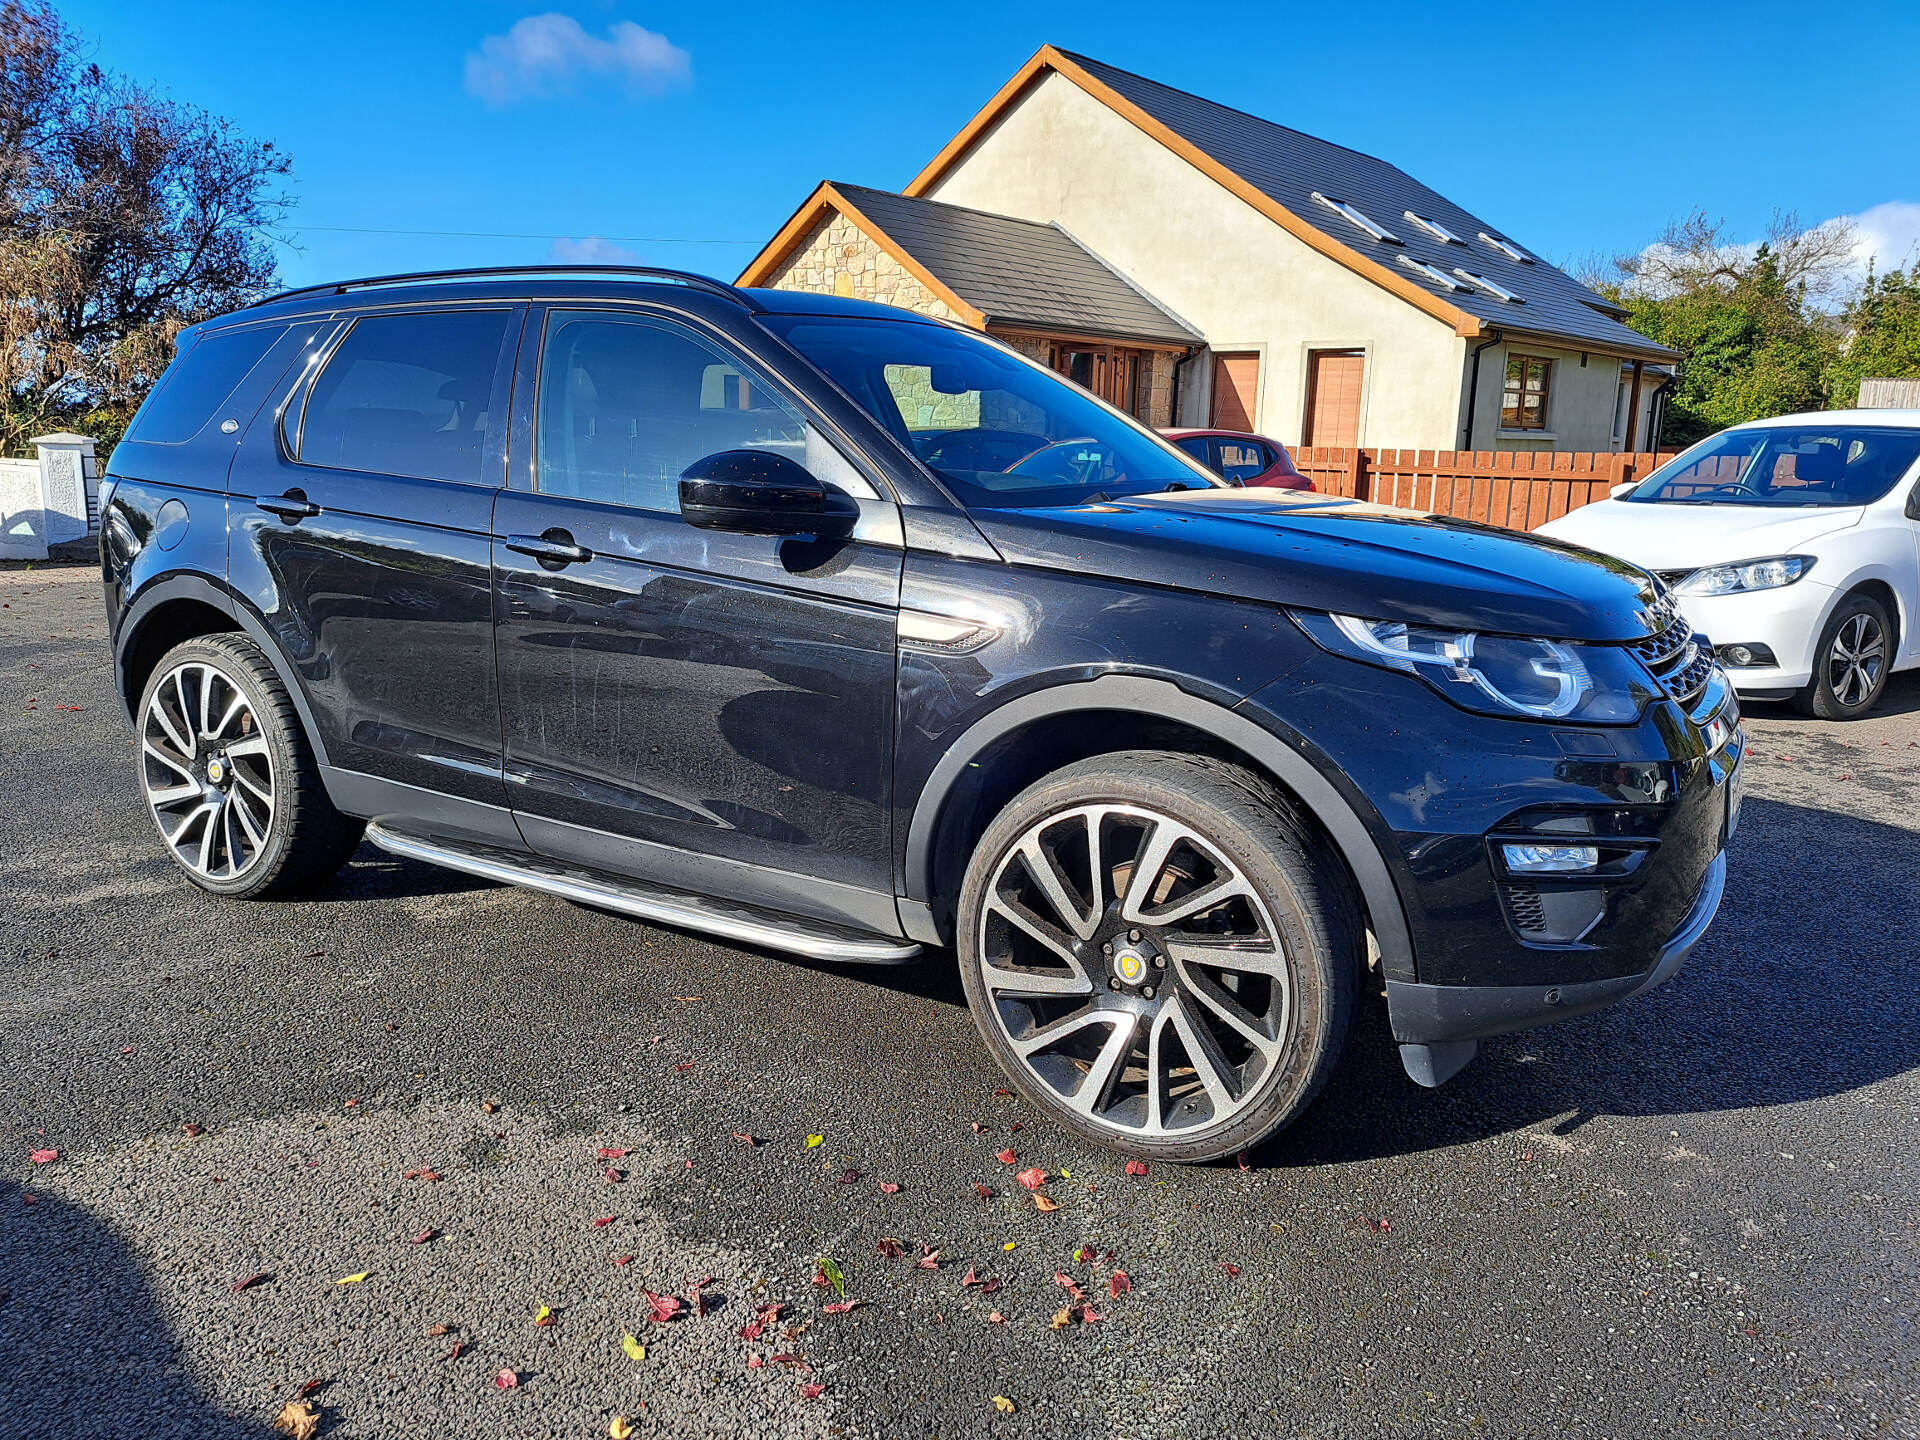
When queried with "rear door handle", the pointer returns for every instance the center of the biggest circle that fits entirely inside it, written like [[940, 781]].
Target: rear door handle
[[552, 548], [291, 506]]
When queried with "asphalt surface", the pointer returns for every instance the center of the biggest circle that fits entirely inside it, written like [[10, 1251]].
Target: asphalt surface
[[1692, 1215]]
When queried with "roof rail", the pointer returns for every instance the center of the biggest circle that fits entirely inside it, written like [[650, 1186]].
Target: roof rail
[[651, 272]]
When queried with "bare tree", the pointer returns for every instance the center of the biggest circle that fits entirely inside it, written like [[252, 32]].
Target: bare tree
[[1696, 254], [124, 217]]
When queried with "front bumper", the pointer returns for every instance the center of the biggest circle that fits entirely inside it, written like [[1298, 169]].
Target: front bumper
[[1440, 1027], [1786, 620]]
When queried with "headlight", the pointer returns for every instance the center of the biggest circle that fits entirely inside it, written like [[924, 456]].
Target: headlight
[[1494, 674], [1747, 575]]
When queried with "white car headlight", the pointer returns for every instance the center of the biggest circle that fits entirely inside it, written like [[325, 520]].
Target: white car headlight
[[1768, 574]]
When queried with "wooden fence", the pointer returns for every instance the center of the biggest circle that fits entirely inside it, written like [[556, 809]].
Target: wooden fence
[[1515, 489]]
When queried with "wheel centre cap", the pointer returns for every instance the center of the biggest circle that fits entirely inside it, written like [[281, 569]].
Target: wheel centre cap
[[1130, 964], [217, 770]]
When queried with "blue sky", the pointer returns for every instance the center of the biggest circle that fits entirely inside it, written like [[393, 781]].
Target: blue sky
[[620, 127]]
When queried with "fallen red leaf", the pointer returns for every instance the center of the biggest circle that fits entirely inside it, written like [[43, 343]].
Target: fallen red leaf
[[251, 1281], [849, 1177], [970, 1278], [192, 1127], [838, 1307], [44, 1157], [985, 1192], [459, 1349], [505, 1380], [978, 1128], [987, 1287], [1089, 1316], [889, 1187], [1242, 1158], [604, 1221], [614, 1177], [994, 1317], [623, 1259], [663, 1307], [1007, 1093], [1085, 1255], [1007, 1157], [546, 1319], [812, 1390], [684, 1066], [613, 1152], [929, 1260], [890, 1248], [308, 1389], [1228, 1269], [1067, 1283], [754, 1362], [745, 1139], [438, 1330], [1136, 1167], [1119, 1285], [425, 1235], [1014, 1127], [1033, 1177]]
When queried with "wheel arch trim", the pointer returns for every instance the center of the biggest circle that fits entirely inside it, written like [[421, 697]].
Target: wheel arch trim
[[1349, 831], [159, 593]]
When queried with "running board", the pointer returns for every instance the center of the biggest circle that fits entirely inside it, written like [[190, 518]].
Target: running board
[[817, 940]]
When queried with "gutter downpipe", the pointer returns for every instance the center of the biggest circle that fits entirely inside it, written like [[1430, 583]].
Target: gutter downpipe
[[1494, 337]]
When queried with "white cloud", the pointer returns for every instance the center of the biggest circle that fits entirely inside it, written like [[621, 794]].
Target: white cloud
[[546, 55], [1888, 236], [591, 250]]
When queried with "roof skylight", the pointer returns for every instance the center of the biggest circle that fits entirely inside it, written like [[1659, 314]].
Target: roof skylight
[[1499, 292], [1510, 251], [1429, 272], [1378, 232], [1435, 229]]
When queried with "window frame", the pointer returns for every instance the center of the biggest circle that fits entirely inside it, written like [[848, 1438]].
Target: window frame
[[1520, 422], [523, 475], [290, 423]]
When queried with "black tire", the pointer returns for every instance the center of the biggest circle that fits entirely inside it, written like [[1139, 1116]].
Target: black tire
[[1297, 987], [1852, 663], [268, 829]]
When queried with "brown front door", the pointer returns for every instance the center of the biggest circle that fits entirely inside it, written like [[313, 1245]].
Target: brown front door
[[1113, 372], [1333, 398], [1236, 386]]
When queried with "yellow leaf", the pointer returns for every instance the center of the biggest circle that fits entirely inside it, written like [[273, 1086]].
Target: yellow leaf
[[1011, 1245], [353, 1279], [620, 1428], [298, 1419], [635, 1350], [1003, 1405], [542, 1315], [814, 1140], [1066, 1174]]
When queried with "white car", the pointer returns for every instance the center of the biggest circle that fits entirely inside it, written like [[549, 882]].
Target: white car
[[1792, 544]]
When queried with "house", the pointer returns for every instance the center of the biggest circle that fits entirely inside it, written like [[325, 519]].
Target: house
[[1196, 265]]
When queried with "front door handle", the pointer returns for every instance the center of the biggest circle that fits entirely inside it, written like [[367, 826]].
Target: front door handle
[[552, 548], [291, 506]]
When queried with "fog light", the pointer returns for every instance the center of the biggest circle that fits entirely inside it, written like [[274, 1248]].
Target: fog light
[[1550, 859], [1739, 654]]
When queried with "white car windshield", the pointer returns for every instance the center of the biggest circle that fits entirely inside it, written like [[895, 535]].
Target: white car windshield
[[998, 429], [1781, 465]]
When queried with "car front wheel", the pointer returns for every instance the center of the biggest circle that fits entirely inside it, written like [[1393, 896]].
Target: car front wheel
[[1855, 657], [1158, 954]]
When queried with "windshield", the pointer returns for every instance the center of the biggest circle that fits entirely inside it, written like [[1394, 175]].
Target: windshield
[[998, 429], [1778, 465]]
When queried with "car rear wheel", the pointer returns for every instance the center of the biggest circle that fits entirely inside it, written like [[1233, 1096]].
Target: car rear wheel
[[1158, 954], [1855, 658], [229, 779]]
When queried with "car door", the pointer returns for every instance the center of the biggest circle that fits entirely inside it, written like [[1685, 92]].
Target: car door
[[702, 709], [360, 524]]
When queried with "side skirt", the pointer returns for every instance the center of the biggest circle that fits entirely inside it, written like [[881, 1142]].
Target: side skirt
[[812, 938]]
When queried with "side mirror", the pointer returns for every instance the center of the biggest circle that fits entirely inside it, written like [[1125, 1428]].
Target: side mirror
[[753, 492]]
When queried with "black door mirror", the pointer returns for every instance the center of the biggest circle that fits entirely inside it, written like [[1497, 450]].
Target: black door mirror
[[752, 492]]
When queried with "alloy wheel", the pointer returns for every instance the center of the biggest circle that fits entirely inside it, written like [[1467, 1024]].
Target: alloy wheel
[[1856, 659], [207, 771], [1134, 971]]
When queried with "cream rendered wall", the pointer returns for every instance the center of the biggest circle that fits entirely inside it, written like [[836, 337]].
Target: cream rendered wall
[[1582, 401], [1059, 155]]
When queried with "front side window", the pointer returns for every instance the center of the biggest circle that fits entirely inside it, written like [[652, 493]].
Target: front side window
[[627, 404], [1000, 430], [1778, 465], [1524, 405], [407, 395]]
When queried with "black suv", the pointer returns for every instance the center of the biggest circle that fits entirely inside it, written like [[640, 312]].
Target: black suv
[[829, 628]]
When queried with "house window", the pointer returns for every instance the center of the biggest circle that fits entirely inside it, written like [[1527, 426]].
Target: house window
[[1379, 232], [1511, 251], [1524, 405], [1438, 277], [1499, 292]]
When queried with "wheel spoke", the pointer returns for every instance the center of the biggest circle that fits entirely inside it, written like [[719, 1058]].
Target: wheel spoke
[[1054, 886], [173, 762], [255, 833], [173, 794], [252, 745], [182, 742], [1147, 866], [1055, 940], [1203, 1053], [1210, 996], [1195, 903], [1091, 1098]]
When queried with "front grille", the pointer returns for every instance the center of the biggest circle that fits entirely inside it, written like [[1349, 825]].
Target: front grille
[[1679, 662]]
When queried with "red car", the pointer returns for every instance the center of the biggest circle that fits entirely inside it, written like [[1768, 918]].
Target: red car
[[1250, 459]]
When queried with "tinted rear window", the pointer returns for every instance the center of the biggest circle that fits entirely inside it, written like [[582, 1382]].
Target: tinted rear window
[[198, 382], [407, 395]]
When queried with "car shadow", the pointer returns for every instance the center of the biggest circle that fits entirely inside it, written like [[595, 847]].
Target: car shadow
[[1804, 988], [89, 1355], [1902, 697]]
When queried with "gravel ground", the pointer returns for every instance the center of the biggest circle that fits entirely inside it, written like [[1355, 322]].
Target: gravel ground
[[1694, 1214]]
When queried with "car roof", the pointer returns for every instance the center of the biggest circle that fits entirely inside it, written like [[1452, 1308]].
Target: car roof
[[1886, 419]]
